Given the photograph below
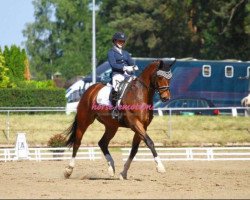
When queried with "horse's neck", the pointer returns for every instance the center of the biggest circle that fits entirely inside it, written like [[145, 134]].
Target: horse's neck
[[146, 75], [145, 82]]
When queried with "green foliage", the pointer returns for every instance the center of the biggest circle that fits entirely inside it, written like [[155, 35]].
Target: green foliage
[[154, 28], [60, 37], [4, 79], [103, 40], [221, 29], [201, 29], [15, 62], [62, 42], [49, 84], [32, 97], [41, 43]]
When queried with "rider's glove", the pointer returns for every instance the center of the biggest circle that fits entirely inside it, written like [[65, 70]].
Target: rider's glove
[[128, 68], [136, 67]]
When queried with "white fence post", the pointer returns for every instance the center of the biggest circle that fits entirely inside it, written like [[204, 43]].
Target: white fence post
[[234, 112], [8, 125], [91, 154], [210, 155], [160, 112], [5, 155], [189, 153]]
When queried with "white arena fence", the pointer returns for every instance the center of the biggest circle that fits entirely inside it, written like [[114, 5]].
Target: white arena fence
[[192, 154], [144, 154], [61, 153]]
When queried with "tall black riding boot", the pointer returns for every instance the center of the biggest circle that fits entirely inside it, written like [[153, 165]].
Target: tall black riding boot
[[113, 97]]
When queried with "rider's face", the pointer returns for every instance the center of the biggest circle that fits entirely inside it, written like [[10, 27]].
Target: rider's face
[[120, 43]]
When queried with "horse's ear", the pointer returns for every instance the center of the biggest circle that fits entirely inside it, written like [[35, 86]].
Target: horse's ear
[[170, 63], [161, 64], [174, 61]]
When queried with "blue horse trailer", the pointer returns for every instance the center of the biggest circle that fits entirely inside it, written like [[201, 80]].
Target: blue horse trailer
[[224, 82]]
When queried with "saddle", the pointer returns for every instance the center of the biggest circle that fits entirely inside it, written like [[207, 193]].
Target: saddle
[[107, 96], [116, 97]]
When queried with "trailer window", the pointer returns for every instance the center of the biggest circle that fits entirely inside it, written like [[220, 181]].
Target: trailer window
[[248, 71], [206, 70], [229, 71]]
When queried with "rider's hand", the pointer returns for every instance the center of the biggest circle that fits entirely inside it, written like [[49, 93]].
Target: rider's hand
[[136, 67], [128, 68]]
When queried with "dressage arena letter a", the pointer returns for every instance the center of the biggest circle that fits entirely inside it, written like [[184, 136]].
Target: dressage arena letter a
[[21, 148]]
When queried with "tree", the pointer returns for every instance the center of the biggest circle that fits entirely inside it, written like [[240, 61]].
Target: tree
[[74, 26], [221, 28], [42, 41], [15, 62], [4, 79], [154, 28], [197, 28], [60, 38], [27, 74]]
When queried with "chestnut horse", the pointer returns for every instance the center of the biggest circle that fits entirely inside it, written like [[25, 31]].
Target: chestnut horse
[[155, 77]]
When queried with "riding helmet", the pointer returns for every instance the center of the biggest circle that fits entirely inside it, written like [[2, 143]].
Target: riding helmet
[[119, 36]]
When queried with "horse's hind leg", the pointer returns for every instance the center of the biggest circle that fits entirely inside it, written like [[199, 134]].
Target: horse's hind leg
[[104, 142], [135, 146], [81, 124]]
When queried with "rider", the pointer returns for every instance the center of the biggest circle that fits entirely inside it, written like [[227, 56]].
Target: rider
[[121, 63]]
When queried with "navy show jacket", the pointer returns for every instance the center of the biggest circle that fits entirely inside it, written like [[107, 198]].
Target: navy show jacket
[[117, 61]]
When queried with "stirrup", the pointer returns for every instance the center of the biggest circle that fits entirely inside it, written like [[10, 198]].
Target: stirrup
[[114, 113]]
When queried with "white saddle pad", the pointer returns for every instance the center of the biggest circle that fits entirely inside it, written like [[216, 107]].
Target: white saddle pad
[[103, 95]]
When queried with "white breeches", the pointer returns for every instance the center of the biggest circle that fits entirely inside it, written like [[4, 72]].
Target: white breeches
[[116, 79]]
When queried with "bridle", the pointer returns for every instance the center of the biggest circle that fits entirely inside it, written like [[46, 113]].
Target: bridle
[[167, 75]]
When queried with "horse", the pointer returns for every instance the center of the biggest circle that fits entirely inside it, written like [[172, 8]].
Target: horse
[[140, 91]]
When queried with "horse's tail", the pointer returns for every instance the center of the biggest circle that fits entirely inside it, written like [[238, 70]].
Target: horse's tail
[[71, 132]]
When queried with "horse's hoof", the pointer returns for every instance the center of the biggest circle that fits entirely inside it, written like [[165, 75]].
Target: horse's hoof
[[161, 169], [68, 171], [123, 176], [111, 171]]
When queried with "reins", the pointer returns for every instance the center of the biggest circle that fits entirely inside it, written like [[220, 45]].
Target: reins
[[153, 84]]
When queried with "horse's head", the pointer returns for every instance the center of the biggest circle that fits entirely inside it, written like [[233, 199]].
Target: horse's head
[[162, 77]]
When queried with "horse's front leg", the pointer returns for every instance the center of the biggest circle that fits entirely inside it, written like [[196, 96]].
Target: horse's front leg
[[159, 166], [135, 146], [103, 143], [139, 129]]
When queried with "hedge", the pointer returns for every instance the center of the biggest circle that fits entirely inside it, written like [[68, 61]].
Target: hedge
[[32, 97]]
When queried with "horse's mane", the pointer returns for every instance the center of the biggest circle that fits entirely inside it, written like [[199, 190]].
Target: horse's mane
[[148, 70]]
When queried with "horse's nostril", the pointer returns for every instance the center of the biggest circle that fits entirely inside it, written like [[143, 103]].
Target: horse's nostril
[[164, 99]]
